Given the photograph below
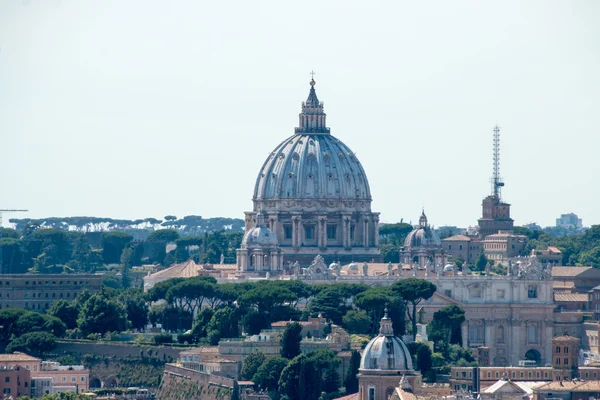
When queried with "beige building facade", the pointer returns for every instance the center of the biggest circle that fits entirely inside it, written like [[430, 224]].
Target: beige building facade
[[37, 292]]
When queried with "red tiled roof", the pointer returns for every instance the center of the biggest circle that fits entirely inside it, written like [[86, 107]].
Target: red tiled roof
[[571, 297], [568, 271], [15, 357]]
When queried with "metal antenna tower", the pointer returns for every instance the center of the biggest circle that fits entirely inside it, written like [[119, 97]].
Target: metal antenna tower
[[496, 179]]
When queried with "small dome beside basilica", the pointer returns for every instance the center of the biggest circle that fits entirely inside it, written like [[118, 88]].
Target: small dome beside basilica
[[260, 236], [423, 235]]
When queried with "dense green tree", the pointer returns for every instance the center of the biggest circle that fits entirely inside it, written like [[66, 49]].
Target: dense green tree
[[36, 322], [251, 365], [255, 321], [203, 318], [163, 235], [8, 233], [591, 257], [332, 300], [357, 322], [299, 379], [446, 324], [32, 343], [223, 324], [66, 311], [290, 340], [268, 374], [191, 293], [101, 314], [136, 307], [422, 357], [351, 382], [8, 322], [413, 291], [11, 256], [481, 263], [374, 301], [159, 291], [113, 244], [266, 295]]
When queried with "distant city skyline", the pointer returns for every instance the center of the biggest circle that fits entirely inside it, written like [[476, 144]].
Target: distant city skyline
[[145, 109]]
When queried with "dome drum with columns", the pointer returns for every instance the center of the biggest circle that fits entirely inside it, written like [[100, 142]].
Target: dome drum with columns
[[423, 247], [315, 196], [385, 366], [260, 252]]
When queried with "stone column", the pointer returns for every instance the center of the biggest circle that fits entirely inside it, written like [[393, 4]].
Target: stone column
[[464, 331], [346, 231], [488, 339], [366, 232], [515, 342], [296, 231], [376, 229], [324, 232]]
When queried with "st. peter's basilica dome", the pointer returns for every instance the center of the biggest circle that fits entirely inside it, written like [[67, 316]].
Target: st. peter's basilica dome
[[312, 164]]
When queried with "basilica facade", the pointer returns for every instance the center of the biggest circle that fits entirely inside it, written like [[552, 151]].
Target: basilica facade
[[314, 196]]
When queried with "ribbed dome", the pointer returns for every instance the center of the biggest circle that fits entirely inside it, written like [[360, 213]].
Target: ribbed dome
[[312, 164], [386, 351], [423, 235], [260, 236], [312, 167]]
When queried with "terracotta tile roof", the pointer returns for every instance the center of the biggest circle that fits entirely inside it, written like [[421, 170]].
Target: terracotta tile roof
[[187, 269], [568, 271], [566, 337], [284, 323], [15, 357], [566, 386], [553, 249], [589, 386], [203, 349], [571, 297], [457, 238], [354, 396]]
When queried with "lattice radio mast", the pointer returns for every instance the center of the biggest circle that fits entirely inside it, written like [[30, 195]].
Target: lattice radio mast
[[496, 179]]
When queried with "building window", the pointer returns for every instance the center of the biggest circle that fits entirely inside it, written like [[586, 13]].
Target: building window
[[566, 361], [64, 378], [460, 246], [73, 379], [371, 393], [566, 350], [83, 379], [449, 247], [332, 234], [287, 231], [558, 361], [500, 293], [532, 292], [558, 349], [448, 292], [531, 334], [309, 232], [352, 232], [7, 380], [6, 390]]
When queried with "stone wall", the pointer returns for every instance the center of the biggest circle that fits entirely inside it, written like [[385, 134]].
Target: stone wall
[[118, 350], [183, 383]]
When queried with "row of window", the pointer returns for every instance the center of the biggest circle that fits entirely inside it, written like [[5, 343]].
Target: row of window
[[39, 295], [7, 283], [565, 350], [309, 232]]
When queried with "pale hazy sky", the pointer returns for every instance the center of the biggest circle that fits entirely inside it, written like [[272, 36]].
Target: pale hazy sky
[[132, 109]]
